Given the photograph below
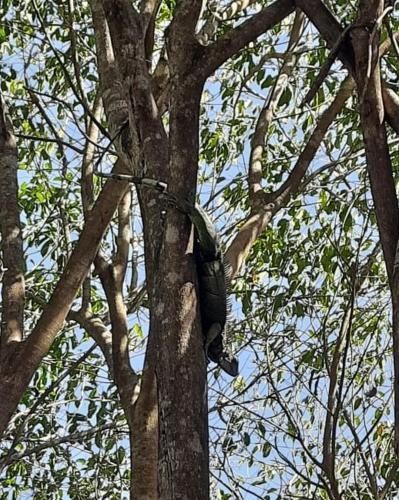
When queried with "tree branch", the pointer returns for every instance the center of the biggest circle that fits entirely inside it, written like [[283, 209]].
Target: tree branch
[[266, 116], [185, 20], [214, 55], [113, 96], [13, 263], [112, 279], [148, 14], [97, 331], [9, 456], [379, 166], [333, 402], [76, 437], [80, 97], [49, 139], [375, 140], [291, 185], [370, 476], [148, 9], [53, 315], [258, 220], [74, 51], [209, 28], [87, 190], [144, 120]]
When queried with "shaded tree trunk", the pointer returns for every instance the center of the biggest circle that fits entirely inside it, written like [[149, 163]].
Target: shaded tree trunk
[[365, 41]]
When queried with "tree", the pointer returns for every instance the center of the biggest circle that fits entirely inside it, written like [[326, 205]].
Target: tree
[[207, 98]]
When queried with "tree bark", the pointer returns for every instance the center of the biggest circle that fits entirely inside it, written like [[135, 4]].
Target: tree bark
[[371, 107], [365, 41], [12, 264], [181, 366]]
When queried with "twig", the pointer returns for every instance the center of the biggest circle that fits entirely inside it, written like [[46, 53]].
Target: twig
[[70, 438], [9, 457], [49, 139], [326, 67], [81, 98]]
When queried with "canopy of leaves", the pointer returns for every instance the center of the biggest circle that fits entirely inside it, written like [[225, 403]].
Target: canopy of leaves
[[310, 311]]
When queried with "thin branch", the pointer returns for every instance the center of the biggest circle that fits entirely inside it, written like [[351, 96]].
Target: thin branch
[[36, 101], [76, 437], [308, 153], [372, 59], [80, 97], [8, 458], [266, 115], [148, 14], [324, 70], [54, 313], [393, 37], [332, 403], [123, 239], [331, 30], [49, 139], [392, 475], [258, 220], [74, 51], [112, 279], [210, 26], [370, 475], [97, 330], [87, 189]]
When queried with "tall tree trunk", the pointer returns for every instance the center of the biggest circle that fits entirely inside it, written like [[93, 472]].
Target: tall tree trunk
[[365, 41]]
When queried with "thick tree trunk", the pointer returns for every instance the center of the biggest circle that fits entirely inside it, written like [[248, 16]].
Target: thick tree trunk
[[13, 283], [170, 436], [181, 369], [365, 41], [371, 106]]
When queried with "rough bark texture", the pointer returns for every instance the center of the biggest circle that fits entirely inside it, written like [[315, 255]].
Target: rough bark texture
[[175, 338], [181, 367], [371, 106], [12, 263], [13, 283], [145, 125]]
